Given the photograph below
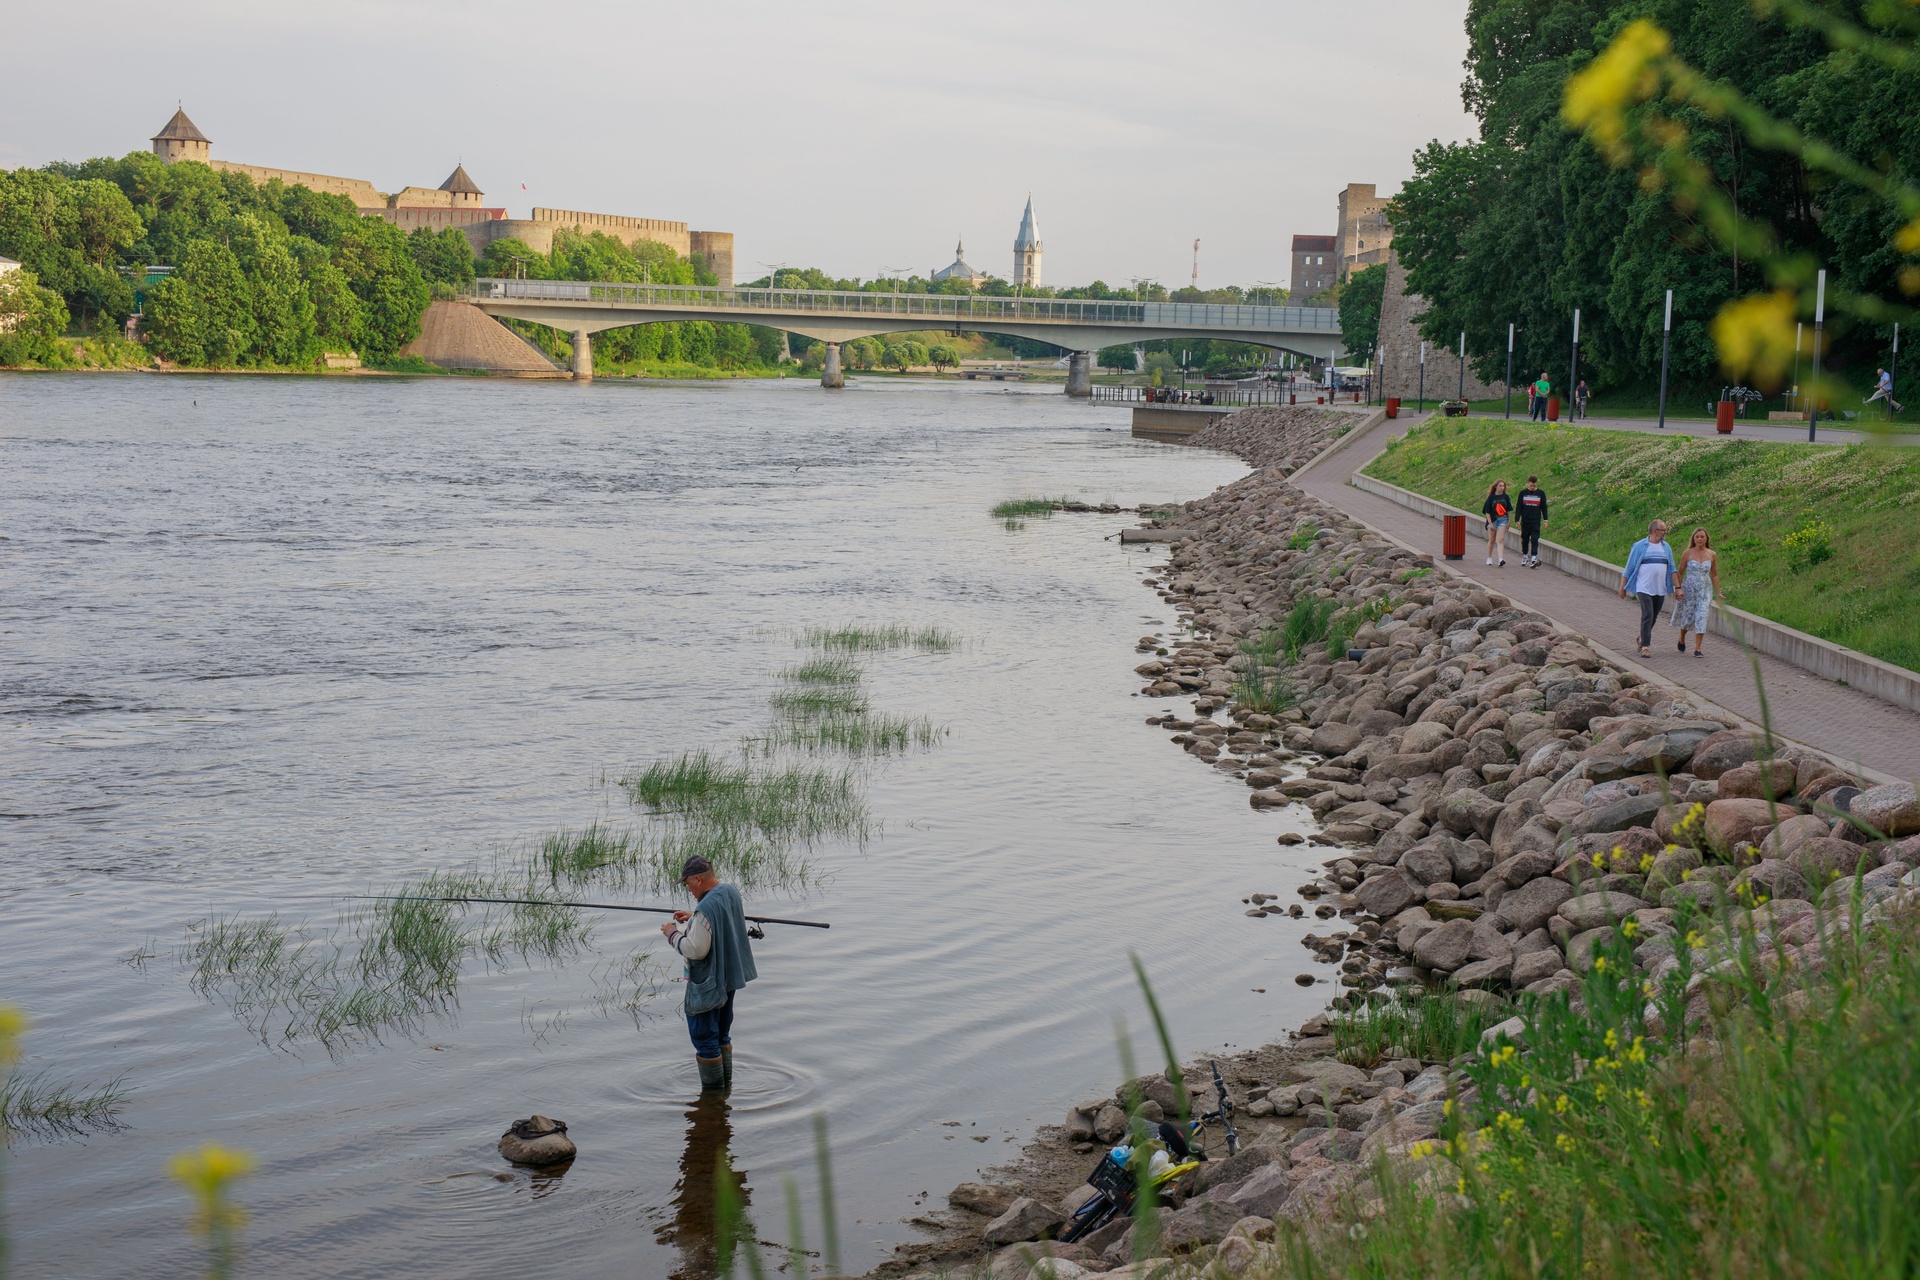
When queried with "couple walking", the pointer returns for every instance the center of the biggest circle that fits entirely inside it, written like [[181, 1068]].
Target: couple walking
[[1653, 573], [1499, 511]]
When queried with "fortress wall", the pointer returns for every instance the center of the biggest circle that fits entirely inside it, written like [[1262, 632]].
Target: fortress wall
[[716, 247], [409, 218], [1399, 355], [537, 236], [422, 198], [624, 229], [358, 190]]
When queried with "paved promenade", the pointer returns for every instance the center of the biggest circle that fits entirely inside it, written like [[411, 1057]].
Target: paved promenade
[[1845, 723]]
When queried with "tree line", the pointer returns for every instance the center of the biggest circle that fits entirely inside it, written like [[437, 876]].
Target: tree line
[[1530, 219]]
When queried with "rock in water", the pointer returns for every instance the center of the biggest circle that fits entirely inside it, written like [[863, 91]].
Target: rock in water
[[537, 1141]]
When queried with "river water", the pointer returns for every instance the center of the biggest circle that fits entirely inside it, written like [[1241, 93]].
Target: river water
[[266, 640]]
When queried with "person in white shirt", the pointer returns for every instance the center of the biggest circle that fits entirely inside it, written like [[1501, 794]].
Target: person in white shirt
[[1649, 576]]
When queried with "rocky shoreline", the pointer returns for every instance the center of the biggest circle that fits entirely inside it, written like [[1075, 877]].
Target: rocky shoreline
[[1500, 800]]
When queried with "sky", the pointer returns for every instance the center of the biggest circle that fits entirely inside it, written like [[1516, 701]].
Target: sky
[[861, 138]]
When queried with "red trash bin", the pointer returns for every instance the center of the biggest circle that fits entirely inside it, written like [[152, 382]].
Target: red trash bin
[[1723, 417], [1553, 408], [1319, 399], [1292, 398], [1393, 406], [1453, 537]]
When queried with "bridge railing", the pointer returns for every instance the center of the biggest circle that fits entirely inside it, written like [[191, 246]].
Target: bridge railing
[[969, 310], [1266, 393]]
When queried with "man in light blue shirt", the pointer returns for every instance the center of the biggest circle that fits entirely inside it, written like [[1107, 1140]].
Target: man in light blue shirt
[[1649, 576]]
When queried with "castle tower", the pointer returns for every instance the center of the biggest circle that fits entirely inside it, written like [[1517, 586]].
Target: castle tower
[[465, 191], [1026, 250], [181, 141]]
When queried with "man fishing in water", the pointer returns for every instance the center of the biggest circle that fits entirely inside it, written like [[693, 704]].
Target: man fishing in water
[[712, 939]]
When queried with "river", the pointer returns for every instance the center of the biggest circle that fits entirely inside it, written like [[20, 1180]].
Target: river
[[268, 640]]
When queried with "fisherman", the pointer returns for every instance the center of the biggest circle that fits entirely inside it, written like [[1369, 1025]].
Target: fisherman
[[712, 939]]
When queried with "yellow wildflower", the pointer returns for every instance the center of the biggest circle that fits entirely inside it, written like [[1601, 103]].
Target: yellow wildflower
[[1611, 1039], [13, 1023], [1907, 238], [1561, 1105], [1599, 1092], [1626, 72], [1421, 1150], [1510, 1123], [1646, 863], [206, 1172], [1638, 1053], [1502, 1056], [1563, 1142], [1631, 928], [1695, 940], [1600, 964], [1755, 336]]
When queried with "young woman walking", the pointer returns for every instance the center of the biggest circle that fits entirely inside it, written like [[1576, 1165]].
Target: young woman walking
[[1649, 576], [1498, 510], [1699, 583]]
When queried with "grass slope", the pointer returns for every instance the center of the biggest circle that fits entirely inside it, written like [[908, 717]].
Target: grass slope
[[1767, 506]]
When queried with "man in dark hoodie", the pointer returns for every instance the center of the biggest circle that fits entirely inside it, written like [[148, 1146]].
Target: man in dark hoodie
[[712, 939], [1532, 508]]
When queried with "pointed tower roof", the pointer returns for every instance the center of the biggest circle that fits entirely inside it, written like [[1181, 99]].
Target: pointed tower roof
[[1029, 237], [459, 183], [180, 129]]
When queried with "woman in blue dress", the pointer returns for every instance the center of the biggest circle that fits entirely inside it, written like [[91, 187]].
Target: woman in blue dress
[[1699, 583]]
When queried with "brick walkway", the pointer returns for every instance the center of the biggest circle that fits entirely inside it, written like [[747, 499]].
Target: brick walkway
[[1845, 723]]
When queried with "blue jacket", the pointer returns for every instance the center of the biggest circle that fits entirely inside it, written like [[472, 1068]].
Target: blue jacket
[[728, 964], [1639, 553]]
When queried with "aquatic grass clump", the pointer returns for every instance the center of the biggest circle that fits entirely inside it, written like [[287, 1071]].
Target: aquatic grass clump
[[859, 735], [1023, 508], [586, 855], [788, 803], [1416, 1024], [1306, 624], [803, 704], [876, 639], [40, 1106], [826, 668]]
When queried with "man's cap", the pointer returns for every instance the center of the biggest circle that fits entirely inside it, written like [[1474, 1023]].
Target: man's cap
[[695, 866]]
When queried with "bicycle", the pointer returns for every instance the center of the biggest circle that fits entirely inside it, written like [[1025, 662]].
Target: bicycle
[[1116, 1178]]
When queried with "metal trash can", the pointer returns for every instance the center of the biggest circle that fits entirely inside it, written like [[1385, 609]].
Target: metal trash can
[[1723, 417]]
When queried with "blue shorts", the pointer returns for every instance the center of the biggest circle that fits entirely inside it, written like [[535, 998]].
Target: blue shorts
[[1499, 522]]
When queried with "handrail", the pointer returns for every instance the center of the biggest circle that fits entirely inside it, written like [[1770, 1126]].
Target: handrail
[[953, 307]]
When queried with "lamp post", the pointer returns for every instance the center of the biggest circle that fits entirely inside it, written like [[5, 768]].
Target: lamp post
[[1819, 322], [1666, 345], [1423, 378], [1797, 326], [1462, 393], [1509, 369], [1573, 368]]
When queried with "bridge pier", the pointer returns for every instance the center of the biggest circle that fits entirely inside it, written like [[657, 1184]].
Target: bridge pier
[[830, 375], [582, 356], [1080, 373]]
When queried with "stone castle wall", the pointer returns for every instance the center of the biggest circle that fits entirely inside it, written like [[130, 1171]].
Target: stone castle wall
[[358, 190], [716, 249], [624, 229], [1398, 356]]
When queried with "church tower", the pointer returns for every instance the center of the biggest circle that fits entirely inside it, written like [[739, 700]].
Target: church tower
[[1026, 250], [181, 141]]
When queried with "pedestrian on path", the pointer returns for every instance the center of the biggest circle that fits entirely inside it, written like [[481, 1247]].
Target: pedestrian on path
[[1532, 504], [1498, 511], [1883, 390], [1541, 390], [1580, 397], [1699, 584], [1649, 576]]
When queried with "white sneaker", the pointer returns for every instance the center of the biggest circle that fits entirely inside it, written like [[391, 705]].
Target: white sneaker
[[1489, 559], [1503, 564]]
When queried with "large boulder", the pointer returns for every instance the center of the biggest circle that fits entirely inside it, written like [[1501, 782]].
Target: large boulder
[[1759, 780], [1615, 815], [1535, 965], [1470, 813], [1327, 1074], [1427, 864], [1335, 739], [1528, 865], [1892, 810], [1198, 1225], [1532, 904], [1578, 710], [1261, 1195], [1824, 859], [1728, 822], [1389, 894], [1771, 878], [1786, 838], [982, 1197], [1593, 910], [1446, 948], [1424, 737], [1720, 752], [1665, 753], [1025, 1219]]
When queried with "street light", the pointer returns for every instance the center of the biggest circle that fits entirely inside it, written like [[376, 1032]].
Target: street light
[[1509, 369], [1573, 367], [1423, 379], [1819, 322], [1666, 344], [1462, 395], [1893, 373]]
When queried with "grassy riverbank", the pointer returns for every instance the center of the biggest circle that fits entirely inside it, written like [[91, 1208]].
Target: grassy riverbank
[[1820, 538]]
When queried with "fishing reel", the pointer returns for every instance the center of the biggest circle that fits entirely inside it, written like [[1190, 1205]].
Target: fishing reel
[[755, 931]]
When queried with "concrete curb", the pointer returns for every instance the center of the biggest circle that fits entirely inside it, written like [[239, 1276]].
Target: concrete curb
[[1822, 658]]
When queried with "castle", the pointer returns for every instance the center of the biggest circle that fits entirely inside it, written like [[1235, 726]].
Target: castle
[[458, 202]]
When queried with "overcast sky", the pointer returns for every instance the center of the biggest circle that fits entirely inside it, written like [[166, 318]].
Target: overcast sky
[[857, 137]]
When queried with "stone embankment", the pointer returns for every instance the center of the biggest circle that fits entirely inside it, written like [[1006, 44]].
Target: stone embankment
[[1499, 799]]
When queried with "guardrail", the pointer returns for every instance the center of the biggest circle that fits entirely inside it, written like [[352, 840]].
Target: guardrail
[[958, 309]]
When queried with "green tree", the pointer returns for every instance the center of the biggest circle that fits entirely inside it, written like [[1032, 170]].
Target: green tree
[[1360, 310], [203, 313], [1120, 357], [943, 357], [862, 353], [444, 256], [375, 260], [508, 257], [31, 317]]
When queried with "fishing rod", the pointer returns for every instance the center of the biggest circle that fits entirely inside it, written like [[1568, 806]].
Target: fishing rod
[[591, 906]]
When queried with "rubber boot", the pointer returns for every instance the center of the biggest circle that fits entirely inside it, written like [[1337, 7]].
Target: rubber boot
[[726, 1059], [713, 1074]]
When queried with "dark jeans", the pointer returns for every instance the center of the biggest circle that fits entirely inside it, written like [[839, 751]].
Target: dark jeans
[[1539, 413], [1650, 607], [712, 1029], [1529, 538]]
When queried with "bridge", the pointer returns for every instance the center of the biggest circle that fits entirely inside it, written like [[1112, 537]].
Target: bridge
[[1080, 325]]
